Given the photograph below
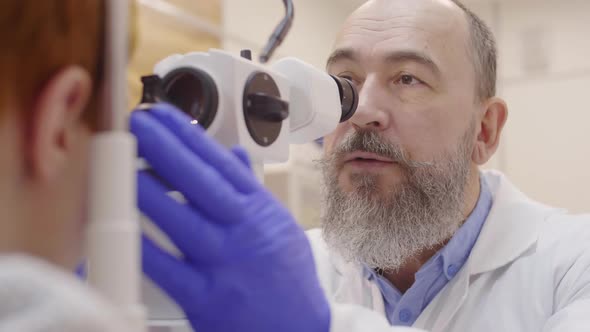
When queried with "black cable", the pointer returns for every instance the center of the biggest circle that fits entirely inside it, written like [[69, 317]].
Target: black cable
[[279, 33]]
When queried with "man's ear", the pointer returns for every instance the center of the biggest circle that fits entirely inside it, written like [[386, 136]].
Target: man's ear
[[56, 116], [489, 130]]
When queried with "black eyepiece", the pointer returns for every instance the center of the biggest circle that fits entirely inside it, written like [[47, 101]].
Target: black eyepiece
[[194, 92], [349, 98]]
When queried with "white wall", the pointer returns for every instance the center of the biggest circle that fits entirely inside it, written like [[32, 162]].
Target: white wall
[[545, 78], [249, 23]]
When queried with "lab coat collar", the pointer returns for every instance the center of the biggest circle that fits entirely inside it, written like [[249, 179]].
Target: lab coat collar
[[512, 226], [511, 229]]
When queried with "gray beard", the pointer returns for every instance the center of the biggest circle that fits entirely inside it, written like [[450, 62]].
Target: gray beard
[[384, 229]]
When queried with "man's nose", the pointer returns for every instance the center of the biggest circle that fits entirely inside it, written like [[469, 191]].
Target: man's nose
[[371, 112]]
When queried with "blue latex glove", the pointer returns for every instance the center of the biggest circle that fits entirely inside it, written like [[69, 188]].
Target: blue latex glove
[[248, 266], [81, 271]]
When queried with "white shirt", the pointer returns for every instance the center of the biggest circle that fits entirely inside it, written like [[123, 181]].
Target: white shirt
[[37, 297]]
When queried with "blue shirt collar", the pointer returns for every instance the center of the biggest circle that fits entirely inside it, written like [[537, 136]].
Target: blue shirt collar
[[404, 309], [456, 252]]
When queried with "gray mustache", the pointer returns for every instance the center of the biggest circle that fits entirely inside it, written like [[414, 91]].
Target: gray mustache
[[370, 141]]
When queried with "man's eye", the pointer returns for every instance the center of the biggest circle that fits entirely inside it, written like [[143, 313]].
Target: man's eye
[[407, 79]]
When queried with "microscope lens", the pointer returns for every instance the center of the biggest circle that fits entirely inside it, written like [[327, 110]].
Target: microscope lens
[[194, 92], [348, 97]]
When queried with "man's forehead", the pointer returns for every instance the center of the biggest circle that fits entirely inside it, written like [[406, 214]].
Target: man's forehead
[[414, 24], [423, 11]]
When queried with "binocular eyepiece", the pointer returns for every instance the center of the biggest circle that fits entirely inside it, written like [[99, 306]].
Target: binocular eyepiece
[[191, 90], [349, 98], [195, 93]]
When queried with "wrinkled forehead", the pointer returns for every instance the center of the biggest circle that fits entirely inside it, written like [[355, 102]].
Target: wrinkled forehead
[[437, 28]]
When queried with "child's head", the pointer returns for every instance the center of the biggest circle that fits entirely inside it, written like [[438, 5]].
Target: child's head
[[51, 65]]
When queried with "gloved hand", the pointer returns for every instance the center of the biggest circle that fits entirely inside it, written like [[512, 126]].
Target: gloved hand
[[248, 266]]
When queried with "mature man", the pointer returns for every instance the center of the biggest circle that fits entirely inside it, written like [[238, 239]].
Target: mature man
[[412, 229], [410, 221]]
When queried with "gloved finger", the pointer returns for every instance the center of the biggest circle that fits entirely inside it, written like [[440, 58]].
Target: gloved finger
[[197, 238], [201, 185], [206, 147], [181, 282], [242, 155], [81, 270]]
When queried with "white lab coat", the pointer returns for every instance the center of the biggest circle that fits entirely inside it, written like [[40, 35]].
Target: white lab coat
[[529, 271], [37, 297]]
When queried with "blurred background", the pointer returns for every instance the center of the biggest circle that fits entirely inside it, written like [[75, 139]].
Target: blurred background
[[544, 75]]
